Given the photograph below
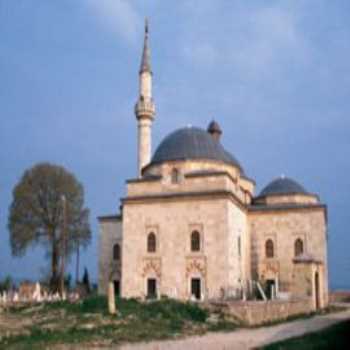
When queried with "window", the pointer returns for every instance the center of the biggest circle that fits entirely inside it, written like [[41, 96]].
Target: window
[[175, 176], [298, 247], [269, 250], [270, 289], [151, 243], [196, 288], [116, 288], [116, 252], [151, 288], [195, 241]]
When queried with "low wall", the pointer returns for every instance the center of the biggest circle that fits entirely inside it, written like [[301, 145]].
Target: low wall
[[339, 296], [255, 313]]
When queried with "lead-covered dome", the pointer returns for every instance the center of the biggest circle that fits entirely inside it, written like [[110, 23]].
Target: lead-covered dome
[[283, 186], [192, 143]]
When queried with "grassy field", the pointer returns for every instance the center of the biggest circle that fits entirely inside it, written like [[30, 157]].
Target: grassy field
[[37, 327], [335, 337], [88, 323]]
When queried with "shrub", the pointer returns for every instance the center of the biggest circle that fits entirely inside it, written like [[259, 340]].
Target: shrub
[[6, 284]]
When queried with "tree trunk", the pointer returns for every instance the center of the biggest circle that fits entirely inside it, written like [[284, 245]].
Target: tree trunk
[[54, 265], [77, 266]]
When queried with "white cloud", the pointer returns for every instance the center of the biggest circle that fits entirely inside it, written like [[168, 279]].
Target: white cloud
[[203, 52], [119, 16], [249, 40], [274, 37]]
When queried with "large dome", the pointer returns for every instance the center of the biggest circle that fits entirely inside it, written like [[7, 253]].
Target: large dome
[[192, 143], [281, 186]]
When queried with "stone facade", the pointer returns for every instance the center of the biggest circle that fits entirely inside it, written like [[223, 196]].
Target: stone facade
[[191, 225], [233, 232], [173, 221], [110, 235], [284, 227]]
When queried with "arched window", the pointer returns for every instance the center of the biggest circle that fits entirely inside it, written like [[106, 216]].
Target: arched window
[[269, 250], [175, 176], [298, 247], [195, 241], [116, 252], [151, 243]]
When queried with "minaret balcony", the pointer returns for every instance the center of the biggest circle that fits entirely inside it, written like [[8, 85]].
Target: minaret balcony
[[145, 108]]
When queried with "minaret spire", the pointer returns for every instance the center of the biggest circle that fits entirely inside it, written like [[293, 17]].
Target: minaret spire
[[146, 54], [145, 108]]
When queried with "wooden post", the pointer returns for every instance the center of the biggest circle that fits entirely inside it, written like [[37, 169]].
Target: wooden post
[[63, 243], [111, 298], [77, 265]]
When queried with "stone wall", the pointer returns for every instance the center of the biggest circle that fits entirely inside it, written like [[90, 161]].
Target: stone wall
[[339, 296], [288, 199], [283, 228], [173, 264], [108, 269], [255, 313], [238, 258], [242, 187]]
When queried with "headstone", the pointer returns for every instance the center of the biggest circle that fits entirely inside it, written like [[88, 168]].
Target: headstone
[[37, 292], [39, 298], [111, 298]]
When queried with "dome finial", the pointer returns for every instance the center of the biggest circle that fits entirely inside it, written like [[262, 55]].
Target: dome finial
[[214, 130], [146, 26]]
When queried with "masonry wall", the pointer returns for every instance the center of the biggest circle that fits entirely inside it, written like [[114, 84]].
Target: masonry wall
[[284, 227], [241, 187], [238, 261], [255, 313], [173, 265], [109, 270]]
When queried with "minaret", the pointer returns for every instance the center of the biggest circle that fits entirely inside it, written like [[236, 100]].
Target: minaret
[[145, 108]]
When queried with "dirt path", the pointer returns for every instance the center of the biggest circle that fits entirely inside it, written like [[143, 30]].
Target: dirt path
[[245, 338]]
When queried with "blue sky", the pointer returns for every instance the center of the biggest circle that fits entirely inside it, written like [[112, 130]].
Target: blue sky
[[274, 74]]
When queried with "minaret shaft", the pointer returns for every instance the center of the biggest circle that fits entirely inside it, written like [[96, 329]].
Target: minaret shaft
[[145, 82], [144, 143], [145, 108]]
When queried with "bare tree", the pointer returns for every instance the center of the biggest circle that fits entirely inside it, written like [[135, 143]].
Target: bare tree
[[35, 216]]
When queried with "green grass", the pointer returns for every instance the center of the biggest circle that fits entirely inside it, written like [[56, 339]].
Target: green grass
[[165, 309], [335, 337], [95, 304], [88, 322], [135, 321]]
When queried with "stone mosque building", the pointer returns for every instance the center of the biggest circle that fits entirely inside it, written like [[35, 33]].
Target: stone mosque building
[[192, 227]]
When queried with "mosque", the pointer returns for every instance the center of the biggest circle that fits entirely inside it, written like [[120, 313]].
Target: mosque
[[192, 227]]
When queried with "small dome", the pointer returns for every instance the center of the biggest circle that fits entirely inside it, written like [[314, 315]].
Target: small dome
[[192, 143], [214, 127], [283, 185]]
